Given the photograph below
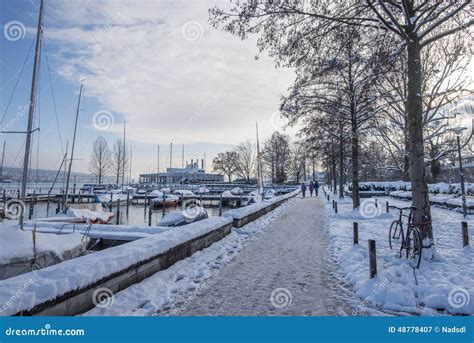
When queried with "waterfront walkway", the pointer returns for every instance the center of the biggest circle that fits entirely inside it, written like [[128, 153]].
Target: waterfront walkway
[[284, 271]]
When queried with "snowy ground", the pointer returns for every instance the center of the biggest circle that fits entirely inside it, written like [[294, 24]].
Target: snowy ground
[[444, 285], [282, 269]]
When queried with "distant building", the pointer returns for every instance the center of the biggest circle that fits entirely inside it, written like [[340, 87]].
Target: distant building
[[190, 174]]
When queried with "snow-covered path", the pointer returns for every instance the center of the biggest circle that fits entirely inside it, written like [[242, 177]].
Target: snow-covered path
[[284, 271]]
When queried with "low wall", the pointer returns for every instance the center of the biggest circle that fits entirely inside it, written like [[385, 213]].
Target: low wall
[[115, 269], [245, 215]]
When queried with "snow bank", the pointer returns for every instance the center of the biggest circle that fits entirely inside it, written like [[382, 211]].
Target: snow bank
[[49, 283], [17, 244], [444, 284]]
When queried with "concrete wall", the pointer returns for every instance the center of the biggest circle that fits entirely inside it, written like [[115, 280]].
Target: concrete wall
[[81, 300]]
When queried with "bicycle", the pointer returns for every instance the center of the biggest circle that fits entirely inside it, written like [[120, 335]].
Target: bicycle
[[396, 235], [411, 240]]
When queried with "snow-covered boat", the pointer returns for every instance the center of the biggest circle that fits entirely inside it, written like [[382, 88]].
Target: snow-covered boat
[[106, 198], [184, 192], [161, 199], [92, 213], [202, 190], [236, 191], [270, 193], [179, 218]]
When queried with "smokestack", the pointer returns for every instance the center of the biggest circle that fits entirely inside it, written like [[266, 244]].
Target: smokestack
[[202, 163]]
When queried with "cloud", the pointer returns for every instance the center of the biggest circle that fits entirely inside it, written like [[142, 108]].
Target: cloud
[[140, 65]]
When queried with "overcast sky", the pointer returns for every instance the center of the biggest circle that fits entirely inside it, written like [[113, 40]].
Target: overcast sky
[[158, 65]]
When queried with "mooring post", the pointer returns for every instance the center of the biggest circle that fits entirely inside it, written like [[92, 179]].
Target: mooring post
[[333, 203], [465, 234], [335, 207], [356, 232], [47, 204], [149, 216], [146, 200], [118, 211], [376, 203], [128, 200], [387, 208], [182, 202], [110, 203], [328, 197], [220, 205], [372, 259]]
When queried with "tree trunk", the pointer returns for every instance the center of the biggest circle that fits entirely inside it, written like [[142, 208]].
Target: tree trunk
[[355, 166], [341, 168], [415, 138]]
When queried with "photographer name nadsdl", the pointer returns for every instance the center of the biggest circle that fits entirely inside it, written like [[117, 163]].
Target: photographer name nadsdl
[[453, 329]]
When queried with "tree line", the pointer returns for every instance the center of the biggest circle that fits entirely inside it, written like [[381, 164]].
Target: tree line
[[376, 81], [109, 162], [281, 160]]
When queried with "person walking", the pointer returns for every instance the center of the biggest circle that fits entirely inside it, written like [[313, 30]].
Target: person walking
[[316, 187], [311, 188], [303, 189]]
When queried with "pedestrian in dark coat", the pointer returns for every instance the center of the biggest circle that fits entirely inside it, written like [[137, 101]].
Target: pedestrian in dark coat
[[303, 189], [311, 188], [316, 187]]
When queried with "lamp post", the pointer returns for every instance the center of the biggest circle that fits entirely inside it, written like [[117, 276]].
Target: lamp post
[[458, 132]]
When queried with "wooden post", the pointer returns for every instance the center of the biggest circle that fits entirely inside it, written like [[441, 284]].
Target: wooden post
[[387, 209], [182, 202], [220, 206], [328, 197], [47, 204], [335, 207], [110, 203], [146, 200], [118, 211], [149, 216], [372, 259], [333, 203], [376, 203], [356, 232], [465, 234], [128, 200]]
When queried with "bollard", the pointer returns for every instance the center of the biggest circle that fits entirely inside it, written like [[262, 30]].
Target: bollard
[[335, 207], [118, 211], [465, 234], [356, 232], [372, 259], [387, 209], [376, 203], [333, 203]]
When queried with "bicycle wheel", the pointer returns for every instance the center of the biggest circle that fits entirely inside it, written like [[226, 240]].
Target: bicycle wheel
[[395, 235], [413, 246]]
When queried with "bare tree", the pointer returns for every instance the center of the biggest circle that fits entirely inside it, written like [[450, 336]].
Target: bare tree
[[246, 160], [100, 159], [119, 159], [225, 162], [276, 153], [294, 30], [296, 161]]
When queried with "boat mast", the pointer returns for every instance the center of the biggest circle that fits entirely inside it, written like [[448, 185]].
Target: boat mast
[[130, 172], [39, 33], [171, 155], [123, 155], [3, 160], [68, 177]]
